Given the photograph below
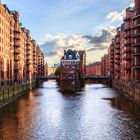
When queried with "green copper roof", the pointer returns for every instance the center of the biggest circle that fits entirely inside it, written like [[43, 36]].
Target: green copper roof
[[20, 23], [12, 12]]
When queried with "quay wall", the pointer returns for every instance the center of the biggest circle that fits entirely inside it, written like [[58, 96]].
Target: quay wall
[[129, 89], [11, 93]]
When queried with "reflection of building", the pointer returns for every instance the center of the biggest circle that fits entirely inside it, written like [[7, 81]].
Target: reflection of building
[[21, 60], [72, 69]]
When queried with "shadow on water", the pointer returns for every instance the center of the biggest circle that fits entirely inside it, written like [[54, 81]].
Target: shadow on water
[[122, 103], [72, 94]]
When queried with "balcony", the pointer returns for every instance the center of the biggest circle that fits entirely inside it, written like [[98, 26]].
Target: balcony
[[117, 47], [29, 69], [17, 31], [136, 44], [16, 67], [127, 49], [127, 35], [135, 35], [112, 57], [17, 58], [136, 62], [117, 62], [117, 42], [127, 43], [135, 16], [117, 56], [17, 37], [28, 62], [28, 48], [135, 25], [127, 18], [127, 67], [136, 54], [17, 43], [34, 63], [117, 69], [127, 28], [17, 51], [136, 50], [28, 53], [117, 52], [127, 57], [112, 60], [28, 58]]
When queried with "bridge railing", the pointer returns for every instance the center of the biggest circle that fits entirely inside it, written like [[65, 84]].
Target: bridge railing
[[96, 77]]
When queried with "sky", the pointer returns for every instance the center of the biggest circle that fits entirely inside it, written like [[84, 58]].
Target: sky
[[71, 24]]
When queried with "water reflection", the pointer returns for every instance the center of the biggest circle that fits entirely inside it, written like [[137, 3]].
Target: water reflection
[[98, 113]]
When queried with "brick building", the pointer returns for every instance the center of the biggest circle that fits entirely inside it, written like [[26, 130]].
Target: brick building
[[124, 52], [72, 69], [21, 60], [93, 69], [136, 41], [105, 65], [111, 60]]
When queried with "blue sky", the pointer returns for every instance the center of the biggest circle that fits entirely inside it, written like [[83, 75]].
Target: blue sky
[[51, 19]]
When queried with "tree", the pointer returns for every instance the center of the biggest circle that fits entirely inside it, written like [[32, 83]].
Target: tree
[[57, 71]]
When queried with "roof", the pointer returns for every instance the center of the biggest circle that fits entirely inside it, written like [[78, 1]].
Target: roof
[[71, 54]]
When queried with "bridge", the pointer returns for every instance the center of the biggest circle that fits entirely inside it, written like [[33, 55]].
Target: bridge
[[91, 78], [49, 77], [87, 77], [98, 79], [94, 77]]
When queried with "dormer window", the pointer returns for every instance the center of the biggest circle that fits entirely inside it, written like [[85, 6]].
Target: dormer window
[[70, 57]]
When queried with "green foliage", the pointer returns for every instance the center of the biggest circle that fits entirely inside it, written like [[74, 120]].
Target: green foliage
[[57, 71]]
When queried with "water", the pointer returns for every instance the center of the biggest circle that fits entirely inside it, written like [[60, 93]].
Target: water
[[97, 113]]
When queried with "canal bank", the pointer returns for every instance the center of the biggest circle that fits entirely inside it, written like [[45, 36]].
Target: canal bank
[[11, 93], [129, 89]]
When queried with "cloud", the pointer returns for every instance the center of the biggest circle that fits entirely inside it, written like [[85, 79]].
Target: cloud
[[115, 16], [132, 4], [51, 48], [103, 37], [101, 41], [54, 45]]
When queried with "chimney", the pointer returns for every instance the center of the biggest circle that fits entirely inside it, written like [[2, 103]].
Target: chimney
[[137, 6]]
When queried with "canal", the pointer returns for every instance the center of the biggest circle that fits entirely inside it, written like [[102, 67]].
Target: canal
[[96, 113]]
